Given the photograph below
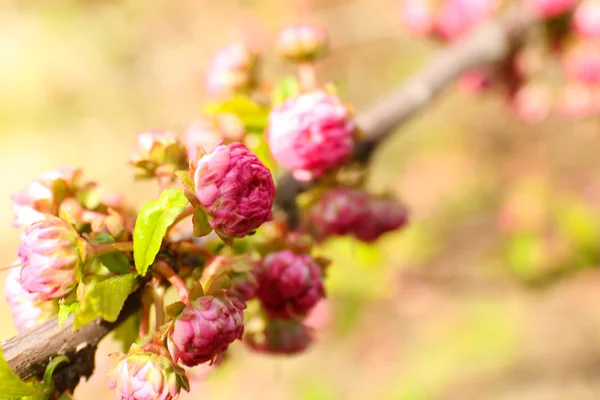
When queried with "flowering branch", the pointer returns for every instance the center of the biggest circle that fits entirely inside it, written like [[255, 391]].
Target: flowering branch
[[29, 353], [489, 44]]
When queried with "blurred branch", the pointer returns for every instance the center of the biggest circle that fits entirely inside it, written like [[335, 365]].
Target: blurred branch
[[490, 44], [30, 352]]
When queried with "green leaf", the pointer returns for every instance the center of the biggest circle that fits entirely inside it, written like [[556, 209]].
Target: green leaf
[[103, 238], [108, 295], [114, 262], [197, 291], [11, 386], [186, 180], [173, 310], [284, 89], [65, 310], [52, 365], [253, 115], [151, 226], [127, 332], [200, 223]]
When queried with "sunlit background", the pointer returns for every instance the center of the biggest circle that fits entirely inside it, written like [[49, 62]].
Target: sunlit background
[[491, 293]]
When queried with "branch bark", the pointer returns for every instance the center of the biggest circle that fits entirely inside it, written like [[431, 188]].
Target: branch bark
[[490, 44], [29, 353]]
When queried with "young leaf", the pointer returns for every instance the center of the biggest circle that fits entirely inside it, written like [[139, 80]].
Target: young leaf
[[127, 332], [11, 386], [186, 180], [151, 226], [284, 89], [200, 223], [253, 115], [65, 310], [173, 310], [108, 295], [103, 238]]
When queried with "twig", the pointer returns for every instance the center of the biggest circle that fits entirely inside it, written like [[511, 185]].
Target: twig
[[489, 44], [29, 353]]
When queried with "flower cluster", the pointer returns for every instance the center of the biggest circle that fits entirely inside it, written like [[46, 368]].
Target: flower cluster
[[345, 211], [558, 72], [239, 268]]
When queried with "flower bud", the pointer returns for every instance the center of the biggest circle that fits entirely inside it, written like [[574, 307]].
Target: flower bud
[[303, 42], [311, 134], [52, 254], [343, 211], [209, 132], [159, 154], [23, 305], [236, 189], [532, 102], [586, 19], [289, 284], [236, 271], [418, 16], [205, 328], [233, 69], [578, 100], [285, 337], [44, 195], [147, 373], [582, 62], [550, 8]]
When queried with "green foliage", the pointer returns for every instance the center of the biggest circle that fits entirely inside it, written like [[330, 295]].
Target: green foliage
[[103, 297], [200, 222], [151, 225], [114, 262], [12, 387], [284, 89], [65, 310], [253, 115], [127, 332]]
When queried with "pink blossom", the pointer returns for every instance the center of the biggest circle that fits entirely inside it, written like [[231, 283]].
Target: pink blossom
[[236, 189], [586, 19], [52, 254], [578, 100], [289, 284], [532, 102], [39, 197], [23, 305], [233, 68], [418, 16], [302, 42], [582, 61], [550, 8], [205, 329], [311, 134]]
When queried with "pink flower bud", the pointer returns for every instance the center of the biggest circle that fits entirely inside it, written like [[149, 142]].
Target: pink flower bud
[[205, 329], [23, 305], [233, 69], [147, 375], [209, 132], [475, 80], [44, 195], [52, 254], [582, 61], [343, 211], [303, 42], [586, 19], [285, 337], [236, 189], [382, 216], [311, 134], [158, 153], [532, 102], [289, 284], [578, 100], [457, 17], [418, 16], [550, 8]]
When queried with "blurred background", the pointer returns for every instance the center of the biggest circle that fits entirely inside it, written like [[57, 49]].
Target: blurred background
[[492, 292]]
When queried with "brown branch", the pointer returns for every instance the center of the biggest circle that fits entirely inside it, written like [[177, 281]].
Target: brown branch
[[490, 44], [29, 353]]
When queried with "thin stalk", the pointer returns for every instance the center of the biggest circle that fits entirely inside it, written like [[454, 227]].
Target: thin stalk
[[107, 248], [187, 247], [307, 76], [174, 279], [187, 211], [158, 296]]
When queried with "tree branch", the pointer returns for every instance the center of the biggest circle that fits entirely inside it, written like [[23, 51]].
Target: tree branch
[[29, 353], [490, 44]]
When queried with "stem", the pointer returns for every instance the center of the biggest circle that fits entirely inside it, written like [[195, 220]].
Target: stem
[[187, 247], [306, 76], [145, 317], [158, 295], [187, 211], [174, 279], [107, 248]]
